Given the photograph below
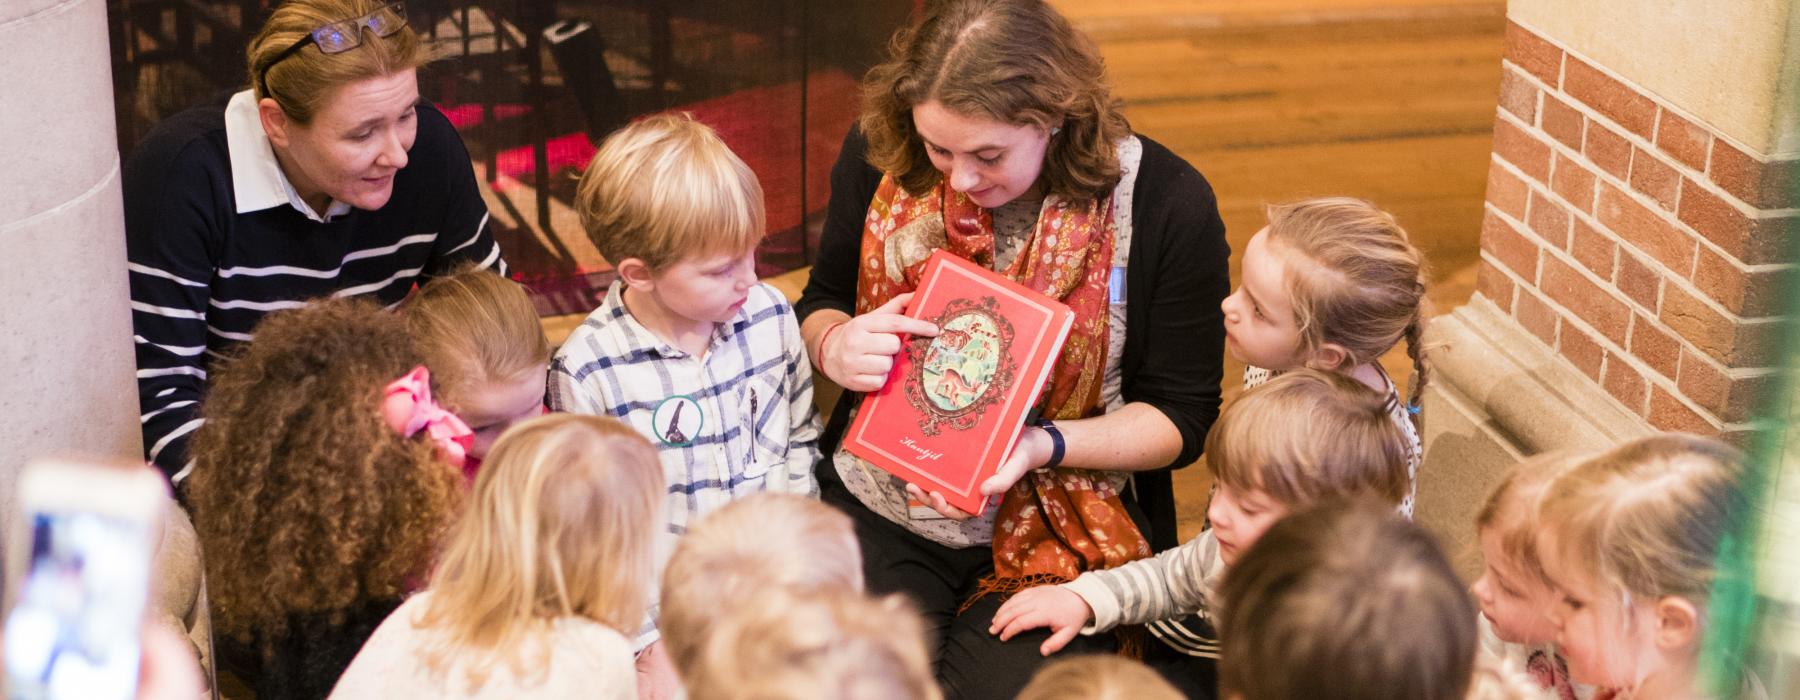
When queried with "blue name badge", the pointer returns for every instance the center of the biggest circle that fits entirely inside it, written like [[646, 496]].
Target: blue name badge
[[1115, 285]]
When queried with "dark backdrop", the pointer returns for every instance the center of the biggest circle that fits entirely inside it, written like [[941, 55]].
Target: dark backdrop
[[534, 85]]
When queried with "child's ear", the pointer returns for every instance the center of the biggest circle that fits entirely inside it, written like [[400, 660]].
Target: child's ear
[[274, 121], [1328, 356], [1677, 624], [635, 273]]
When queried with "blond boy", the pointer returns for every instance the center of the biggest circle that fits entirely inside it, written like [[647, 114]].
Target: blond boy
[[1097, 677], [687, 347], [832, 643], [762, 543]]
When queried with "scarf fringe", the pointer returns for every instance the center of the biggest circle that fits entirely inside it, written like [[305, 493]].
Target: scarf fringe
[[1134, 641], [1006, 587]]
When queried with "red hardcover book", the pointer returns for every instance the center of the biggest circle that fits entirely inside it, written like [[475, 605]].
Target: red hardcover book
[[954, 405]]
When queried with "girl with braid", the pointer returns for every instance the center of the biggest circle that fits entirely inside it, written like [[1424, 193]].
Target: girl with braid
[[1329, 284], [1332, 284]]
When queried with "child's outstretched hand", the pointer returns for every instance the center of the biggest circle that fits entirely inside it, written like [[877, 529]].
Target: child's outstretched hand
[[1054, 607]]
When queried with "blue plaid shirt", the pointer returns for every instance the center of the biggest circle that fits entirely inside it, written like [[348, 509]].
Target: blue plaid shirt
[[736, 422]]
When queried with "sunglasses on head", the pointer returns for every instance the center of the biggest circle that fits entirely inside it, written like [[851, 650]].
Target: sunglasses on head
[[341, 36]]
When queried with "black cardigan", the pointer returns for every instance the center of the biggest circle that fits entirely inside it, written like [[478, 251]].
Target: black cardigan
[[1174, 332]]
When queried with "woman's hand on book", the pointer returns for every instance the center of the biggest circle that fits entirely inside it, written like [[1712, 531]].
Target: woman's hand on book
[[937, 503], [1033, 451], [1055, 607], [858, 354]]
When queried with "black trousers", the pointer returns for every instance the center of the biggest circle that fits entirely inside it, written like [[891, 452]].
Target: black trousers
[[1196, 677], [971, 664]]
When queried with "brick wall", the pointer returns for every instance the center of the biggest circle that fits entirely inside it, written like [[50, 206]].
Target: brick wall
[[1635, 241]]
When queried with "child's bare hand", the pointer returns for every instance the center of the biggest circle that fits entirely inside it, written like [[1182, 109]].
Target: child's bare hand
[[1054, 607], [937, 503], [858, 354]]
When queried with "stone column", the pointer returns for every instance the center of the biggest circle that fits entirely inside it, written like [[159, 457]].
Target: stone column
[[1641, 187], [66, 369]]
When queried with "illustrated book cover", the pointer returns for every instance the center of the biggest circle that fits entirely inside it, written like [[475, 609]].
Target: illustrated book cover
[[954, 405]]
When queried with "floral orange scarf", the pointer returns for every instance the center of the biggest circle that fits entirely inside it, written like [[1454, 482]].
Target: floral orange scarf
[[1055, 523]]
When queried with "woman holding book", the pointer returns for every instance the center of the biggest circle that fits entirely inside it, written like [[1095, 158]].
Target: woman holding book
[[991, 133]]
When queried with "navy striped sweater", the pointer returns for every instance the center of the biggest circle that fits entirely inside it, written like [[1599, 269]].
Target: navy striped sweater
[[203, 275]]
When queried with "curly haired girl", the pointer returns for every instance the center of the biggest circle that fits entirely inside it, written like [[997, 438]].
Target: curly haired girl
[[314, 513]]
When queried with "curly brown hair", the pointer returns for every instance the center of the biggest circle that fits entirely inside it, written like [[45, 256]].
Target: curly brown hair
[[1017, 62], [305, 501]]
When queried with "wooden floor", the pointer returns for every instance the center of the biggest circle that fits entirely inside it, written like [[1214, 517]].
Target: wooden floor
[[1391, 100]]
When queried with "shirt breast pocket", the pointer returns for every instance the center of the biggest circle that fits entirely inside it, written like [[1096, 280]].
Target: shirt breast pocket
[[763, 442]]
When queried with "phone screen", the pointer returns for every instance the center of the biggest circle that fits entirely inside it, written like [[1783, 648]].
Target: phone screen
[[75, 630]]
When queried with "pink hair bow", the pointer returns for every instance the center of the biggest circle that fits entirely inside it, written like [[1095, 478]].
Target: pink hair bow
[[408, 409]]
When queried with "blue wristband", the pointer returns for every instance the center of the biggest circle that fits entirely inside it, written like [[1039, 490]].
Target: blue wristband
[[1057, 447]]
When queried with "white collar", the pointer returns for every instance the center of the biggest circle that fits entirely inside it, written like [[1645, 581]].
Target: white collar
[[257, 181]]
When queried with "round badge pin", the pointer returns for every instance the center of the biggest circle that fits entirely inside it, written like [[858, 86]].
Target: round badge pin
[[677, 420]]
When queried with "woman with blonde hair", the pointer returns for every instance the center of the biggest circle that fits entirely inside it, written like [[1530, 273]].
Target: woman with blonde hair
[[327, 176], [991, 133], [551, 565]]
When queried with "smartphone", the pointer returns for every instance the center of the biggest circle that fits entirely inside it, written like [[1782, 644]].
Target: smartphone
[[75, 631]]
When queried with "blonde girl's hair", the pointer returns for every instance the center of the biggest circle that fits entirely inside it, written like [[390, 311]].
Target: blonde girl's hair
[[303, 82], [1016, 62], [665, 189], [826, 643], [562, 524], [1098, 677], [1647, 516], [1362, 600], [1510, 505], [1355, 280], [473, 325], [764, 540], [1306, 435]]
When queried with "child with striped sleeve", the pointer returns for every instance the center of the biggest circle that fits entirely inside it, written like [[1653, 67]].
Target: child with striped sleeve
[[1304, 436]]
